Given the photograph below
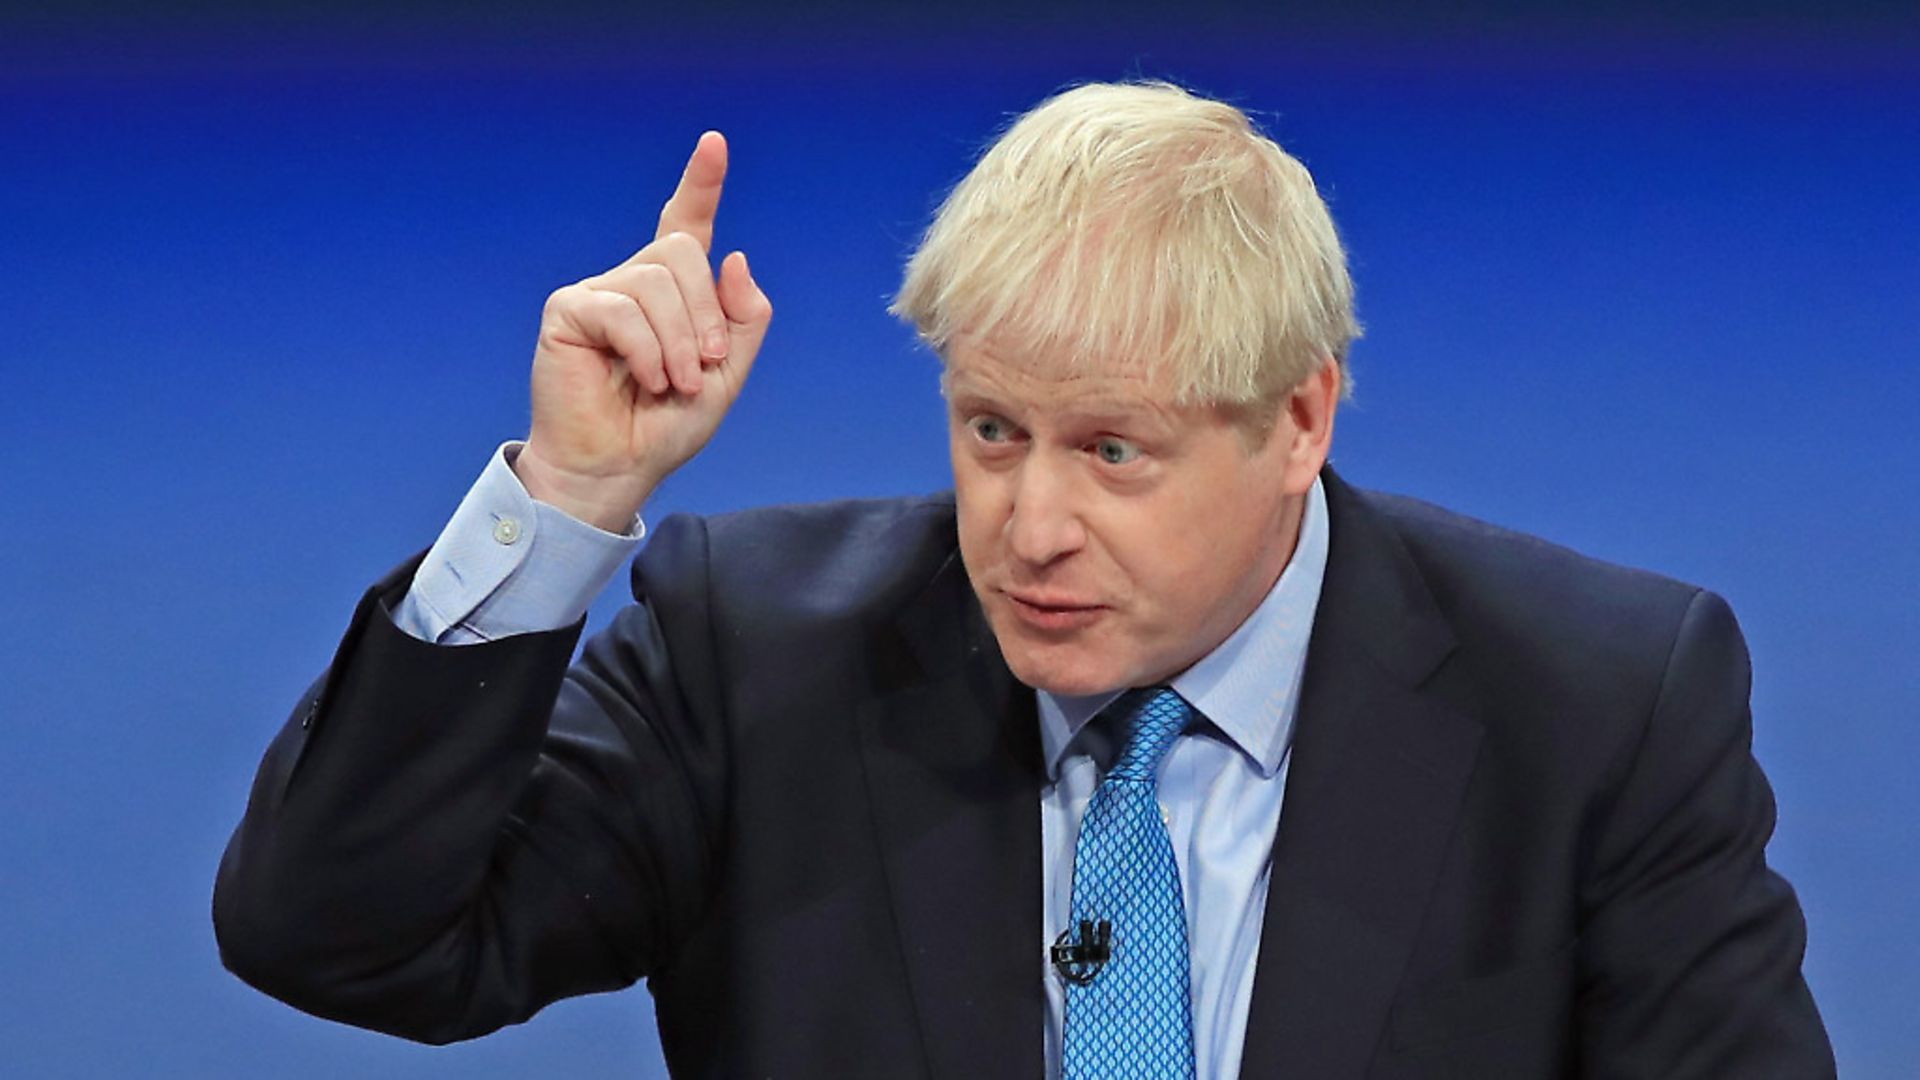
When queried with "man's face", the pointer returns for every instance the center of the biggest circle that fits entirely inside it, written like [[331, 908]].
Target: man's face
[[1113, 537]]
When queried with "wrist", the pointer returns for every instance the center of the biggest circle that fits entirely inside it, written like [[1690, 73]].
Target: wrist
[[606, 502]]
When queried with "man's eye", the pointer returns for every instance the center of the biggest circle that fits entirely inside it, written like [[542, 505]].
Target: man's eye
[[991, 429], [1115, 451]]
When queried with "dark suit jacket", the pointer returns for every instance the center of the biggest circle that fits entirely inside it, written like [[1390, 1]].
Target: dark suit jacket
[[796, 788]]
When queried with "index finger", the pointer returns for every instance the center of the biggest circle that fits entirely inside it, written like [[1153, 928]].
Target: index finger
[[697, 199]]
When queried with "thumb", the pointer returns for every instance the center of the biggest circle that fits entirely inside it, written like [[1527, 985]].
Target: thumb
[[747, 309]]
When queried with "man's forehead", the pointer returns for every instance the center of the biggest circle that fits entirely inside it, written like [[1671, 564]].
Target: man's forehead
[[973, 366]]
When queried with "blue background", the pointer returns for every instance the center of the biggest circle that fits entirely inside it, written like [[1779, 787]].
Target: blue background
[[268, 286]]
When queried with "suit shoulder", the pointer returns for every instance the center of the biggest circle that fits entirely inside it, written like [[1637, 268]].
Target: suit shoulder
[[1455, 551], [1563, 658], [846, 554], [1539, 611], [842, 521]]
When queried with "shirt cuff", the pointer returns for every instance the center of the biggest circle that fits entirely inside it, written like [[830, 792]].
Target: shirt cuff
[[509, 564]]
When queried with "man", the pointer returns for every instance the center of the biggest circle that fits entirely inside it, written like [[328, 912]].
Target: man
[[1153, 750]]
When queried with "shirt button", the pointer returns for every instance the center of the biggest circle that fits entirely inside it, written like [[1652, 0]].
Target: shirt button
[[507, 530], [1166, 818]]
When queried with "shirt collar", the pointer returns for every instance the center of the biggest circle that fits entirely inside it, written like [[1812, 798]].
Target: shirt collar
[[1248, 687]]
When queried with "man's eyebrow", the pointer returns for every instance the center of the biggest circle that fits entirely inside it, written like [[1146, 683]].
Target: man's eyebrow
[[1120, 411], [1109, 406], [962, 388]]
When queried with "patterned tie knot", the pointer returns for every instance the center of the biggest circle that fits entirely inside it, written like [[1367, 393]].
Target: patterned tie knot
[[1149, 721]]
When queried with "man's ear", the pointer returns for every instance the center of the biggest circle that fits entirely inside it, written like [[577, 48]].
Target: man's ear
[[1305, 426]]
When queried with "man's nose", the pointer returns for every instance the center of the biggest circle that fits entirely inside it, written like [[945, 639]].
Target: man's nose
[[1044, 523]]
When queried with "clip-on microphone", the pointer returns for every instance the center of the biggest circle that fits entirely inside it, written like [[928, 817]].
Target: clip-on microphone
[[1079, 960]]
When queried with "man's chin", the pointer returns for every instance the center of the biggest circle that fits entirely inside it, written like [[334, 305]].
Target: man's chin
[[1057, 671]]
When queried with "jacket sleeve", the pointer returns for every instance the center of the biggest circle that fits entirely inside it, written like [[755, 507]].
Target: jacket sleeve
[[1691, 953], [443, 839]]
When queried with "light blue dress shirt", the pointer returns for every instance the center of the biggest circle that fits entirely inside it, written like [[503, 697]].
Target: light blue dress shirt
[[507, 564]]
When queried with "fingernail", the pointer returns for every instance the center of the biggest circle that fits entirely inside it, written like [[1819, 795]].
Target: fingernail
[[715, 345]]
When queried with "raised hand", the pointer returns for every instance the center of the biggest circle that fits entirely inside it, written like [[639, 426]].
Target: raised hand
[[636, 366]]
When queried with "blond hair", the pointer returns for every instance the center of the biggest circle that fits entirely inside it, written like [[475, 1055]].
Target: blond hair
[[1142, 223]]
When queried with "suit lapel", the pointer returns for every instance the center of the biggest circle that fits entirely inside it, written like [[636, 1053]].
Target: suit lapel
[[953, 766], [1379, 765]]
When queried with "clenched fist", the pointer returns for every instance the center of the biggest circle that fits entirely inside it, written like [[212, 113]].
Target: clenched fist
[[636, 366]]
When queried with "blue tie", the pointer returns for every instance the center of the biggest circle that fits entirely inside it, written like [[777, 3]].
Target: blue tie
[[1131, 1016]]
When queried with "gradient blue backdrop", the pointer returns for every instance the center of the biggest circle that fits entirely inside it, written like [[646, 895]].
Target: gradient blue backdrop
[[268, 288]]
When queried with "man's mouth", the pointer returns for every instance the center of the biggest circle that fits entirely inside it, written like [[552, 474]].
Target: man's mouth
[[1046, 611]]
